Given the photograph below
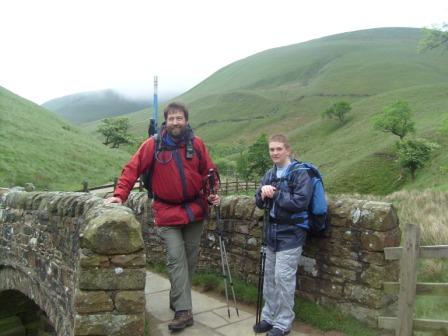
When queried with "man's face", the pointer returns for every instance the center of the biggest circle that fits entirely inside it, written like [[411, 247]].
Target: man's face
[[278, 152], [176, 123]]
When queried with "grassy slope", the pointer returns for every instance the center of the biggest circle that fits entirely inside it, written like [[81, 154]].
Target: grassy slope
[[286, 89], [38, 147]]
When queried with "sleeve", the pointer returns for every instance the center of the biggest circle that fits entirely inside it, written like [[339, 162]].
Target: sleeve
[[298, 197], [265, 180], [139, 163]]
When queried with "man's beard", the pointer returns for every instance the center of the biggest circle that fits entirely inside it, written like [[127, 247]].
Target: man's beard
[[176, 132]]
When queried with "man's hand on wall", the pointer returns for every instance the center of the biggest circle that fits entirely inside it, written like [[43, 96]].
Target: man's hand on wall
[[114, 199]]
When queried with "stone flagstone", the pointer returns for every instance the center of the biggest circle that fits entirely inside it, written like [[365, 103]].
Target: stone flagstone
[[210, 314]]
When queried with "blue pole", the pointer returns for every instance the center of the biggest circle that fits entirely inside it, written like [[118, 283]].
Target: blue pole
[[156, 106]]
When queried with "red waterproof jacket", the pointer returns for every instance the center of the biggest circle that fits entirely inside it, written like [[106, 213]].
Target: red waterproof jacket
[[177, 182]]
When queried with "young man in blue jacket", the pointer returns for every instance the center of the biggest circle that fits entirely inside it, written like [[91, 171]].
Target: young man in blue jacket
[[287, 190]]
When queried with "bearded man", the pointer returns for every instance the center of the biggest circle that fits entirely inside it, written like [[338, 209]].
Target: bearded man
[[179, 164]]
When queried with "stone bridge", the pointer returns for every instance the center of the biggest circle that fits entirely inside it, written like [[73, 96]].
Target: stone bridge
[[83, 263]]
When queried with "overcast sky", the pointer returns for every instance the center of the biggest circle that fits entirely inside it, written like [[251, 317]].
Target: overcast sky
[[52, 48]]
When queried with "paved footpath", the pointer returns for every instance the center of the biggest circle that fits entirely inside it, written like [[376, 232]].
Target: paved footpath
[[210, 314]]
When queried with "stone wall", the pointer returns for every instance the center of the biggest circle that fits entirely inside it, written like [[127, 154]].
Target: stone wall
[[83, 262], [80, 261], [345, 268]]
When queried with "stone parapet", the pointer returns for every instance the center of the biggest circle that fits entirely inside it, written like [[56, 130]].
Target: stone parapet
[[82, 262]]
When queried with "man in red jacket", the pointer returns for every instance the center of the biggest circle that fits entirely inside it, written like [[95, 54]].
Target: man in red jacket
[[180, 165]]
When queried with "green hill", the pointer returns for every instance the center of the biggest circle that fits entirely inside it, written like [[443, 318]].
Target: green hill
[[38, 147], [89, 106], [286, 89]]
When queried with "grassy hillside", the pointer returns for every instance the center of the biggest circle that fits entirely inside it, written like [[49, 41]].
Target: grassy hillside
[[88, 106], [286, 89], [38, 147]]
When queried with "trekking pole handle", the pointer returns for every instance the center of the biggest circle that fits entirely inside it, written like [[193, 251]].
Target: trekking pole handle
[[211, 179]]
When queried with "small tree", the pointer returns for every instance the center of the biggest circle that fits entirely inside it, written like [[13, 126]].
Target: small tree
[[258, 157], [338, 110], [396, 119], [115, 131], [434, 38], [414, 154], [257, 161]]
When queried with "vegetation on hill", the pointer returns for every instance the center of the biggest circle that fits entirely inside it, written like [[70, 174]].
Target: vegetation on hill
[[115, 132], [436, 37], [40, 148], [286, 90], [89, 106]]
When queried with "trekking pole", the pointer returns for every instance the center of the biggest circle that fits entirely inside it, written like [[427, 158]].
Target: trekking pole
[[262, 263], [222, 248], [230, 278], [211, 178]]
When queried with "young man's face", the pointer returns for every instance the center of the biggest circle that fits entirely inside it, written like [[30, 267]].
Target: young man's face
[[278, 152], [176, 123]]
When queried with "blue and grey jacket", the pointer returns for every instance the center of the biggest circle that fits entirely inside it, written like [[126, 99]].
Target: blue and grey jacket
[[289, 218]]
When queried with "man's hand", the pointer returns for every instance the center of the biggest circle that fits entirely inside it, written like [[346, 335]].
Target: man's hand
[[214, 199], [267, 191], [114, 199]]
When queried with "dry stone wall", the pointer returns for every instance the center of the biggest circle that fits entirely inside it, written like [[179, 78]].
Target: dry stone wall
[[345, 268], [82, 262]]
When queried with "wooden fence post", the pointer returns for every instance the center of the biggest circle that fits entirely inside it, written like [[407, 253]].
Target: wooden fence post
[[227, 186], [85, 186], [236, 184], [408, 280], [115, 182]]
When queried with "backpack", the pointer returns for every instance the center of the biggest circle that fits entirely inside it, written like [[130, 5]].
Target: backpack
[[318, 207]]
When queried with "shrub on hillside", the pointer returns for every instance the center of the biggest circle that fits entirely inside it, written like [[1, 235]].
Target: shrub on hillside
[[115, 132], [338, 110], [414, 154], [434, 38], [395, 119]]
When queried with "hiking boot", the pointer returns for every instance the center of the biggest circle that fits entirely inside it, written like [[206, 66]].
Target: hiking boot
[[262, 327], [182, 319], [277, 332]]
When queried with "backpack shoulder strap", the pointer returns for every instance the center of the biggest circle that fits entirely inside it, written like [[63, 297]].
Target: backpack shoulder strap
[[157, 142], [195, 150], [293, 168], [146, 177], [270, 174]]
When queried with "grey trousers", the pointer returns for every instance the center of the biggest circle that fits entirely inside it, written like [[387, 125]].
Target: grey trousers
[[182, 246], [279, 287]]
